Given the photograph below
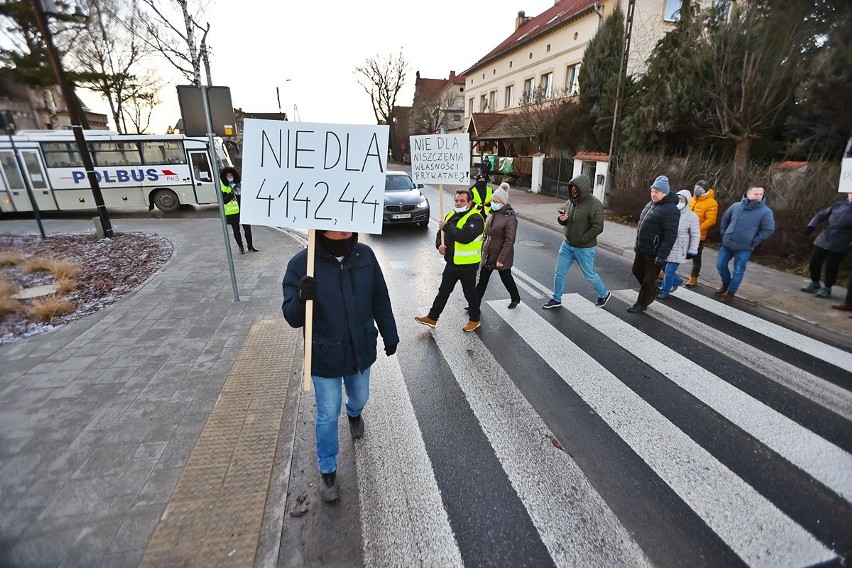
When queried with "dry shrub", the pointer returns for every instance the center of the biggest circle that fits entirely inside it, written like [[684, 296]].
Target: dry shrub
[[37, 264], [8, 304], [49, 307], [62, 269], [65, 284], [10, 258]]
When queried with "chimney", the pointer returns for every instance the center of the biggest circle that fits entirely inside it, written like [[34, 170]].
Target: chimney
[[452, 75], [521, 19]]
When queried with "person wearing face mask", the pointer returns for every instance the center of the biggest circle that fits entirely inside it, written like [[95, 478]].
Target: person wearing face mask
[[830, 246], [462, 252], [655, 238], [685, 246], [482, 193], [582, 221], [705, 206], [744, 226], [230, 186], [498, 252], [350, 299]]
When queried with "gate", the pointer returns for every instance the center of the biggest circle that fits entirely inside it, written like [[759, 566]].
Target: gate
[[556, 173]]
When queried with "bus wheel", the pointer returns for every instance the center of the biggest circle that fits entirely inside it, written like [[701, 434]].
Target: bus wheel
[[166, 200]]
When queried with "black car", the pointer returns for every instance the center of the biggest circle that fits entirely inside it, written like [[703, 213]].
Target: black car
[[404, 202]]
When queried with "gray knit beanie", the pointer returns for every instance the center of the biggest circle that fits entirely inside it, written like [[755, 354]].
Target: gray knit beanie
[[661, 184], [501, 193]]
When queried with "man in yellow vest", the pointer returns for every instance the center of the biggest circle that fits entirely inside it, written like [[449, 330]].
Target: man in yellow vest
[[482, 194], [462, 250]]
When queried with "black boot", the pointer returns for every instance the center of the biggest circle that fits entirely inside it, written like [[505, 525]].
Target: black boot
[[252, 249], [242, 250]]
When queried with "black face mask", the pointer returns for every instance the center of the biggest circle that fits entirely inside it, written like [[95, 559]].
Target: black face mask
[[335, 247]]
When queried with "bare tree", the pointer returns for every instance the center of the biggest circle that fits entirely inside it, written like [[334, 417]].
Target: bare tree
[[179, 45], [382, 77], [537, 116], [433, 113], [142, 99], [755, 63]]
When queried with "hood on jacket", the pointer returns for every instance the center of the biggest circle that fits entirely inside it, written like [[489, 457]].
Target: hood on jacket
[[229, 170], [709, 194], [583, 184], [686, 194]]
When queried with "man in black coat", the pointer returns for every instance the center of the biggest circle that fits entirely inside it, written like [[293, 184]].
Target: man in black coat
[[350, 298], [654, 240]]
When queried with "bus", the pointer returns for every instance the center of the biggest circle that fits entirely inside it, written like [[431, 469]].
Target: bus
[[134, 171]]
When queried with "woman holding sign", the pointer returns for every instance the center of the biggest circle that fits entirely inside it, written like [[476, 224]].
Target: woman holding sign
[[350, 298]]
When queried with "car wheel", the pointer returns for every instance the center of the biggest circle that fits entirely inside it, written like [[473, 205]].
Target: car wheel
[[166, 200]]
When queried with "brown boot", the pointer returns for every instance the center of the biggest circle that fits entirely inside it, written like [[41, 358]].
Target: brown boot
[[692, 282], [721, 291], [728, 297]]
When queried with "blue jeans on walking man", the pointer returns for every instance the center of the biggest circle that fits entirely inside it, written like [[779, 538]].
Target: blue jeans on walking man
[[585, 258], [329, 394], [740, 261], [671, 280]]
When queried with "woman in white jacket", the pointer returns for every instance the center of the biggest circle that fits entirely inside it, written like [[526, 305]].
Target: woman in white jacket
[[685, 247]]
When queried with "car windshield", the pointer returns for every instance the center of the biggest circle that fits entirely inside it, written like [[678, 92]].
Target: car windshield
[[398, 183]]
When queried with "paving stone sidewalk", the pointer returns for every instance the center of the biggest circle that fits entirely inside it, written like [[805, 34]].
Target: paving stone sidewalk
[[98, 419]]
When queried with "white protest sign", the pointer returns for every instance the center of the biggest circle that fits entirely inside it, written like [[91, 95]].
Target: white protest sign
[[441, 158], [314, 176], [845, 185]]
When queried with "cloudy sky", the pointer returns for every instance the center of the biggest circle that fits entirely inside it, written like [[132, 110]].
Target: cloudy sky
[[257, 45]]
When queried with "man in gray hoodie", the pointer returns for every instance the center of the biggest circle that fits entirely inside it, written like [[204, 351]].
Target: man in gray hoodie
[[582, 219]]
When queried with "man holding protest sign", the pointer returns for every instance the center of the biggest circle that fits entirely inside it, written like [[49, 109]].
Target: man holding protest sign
[[349, 295], [462, 250]]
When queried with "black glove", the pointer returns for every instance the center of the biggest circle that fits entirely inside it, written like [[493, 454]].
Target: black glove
[[808, 230], [690, 255], [390, 349], [307, 288], [490, 265], [659, 262]]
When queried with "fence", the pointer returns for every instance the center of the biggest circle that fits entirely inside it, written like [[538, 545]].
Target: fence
[[557, 172]]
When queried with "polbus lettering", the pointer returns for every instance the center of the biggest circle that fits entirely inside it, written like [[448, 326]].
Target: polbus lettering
[[118, 175]]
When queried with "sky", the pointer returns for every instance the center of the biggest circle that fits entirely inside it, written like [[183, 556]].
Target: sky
[[309, 50]]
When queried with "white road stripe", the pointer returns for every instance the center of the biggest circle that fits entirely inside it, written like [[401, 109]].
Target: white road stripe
[[540, 291], [805, 344], [402, 515], [824, 393], [574, 522], [728, 505], [814, 455]]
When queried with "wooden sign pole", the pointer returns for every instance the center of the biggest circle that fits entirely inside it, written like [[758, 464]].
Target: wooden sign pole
[[441, 202], [309, 313]]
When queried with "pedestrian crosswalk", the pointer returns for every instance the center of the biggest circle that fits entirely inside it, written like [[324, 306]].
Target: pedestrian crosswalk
[[594, 437]]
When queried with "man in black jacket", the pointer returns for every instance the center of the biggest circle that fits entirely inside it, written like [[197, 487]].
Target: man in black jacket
[[350, 297], [654, 240], [461, 248]]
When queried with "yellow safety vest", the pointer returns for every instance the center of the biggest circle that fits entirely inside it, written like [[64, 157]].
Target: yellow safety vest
[[231, 207], [466, 253], [477, 200]]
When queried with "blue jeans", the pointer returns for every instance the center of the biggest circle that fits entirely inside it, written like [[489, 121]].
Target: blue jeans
[[328, 393], [585, 257], [670, 277], [740, 260]]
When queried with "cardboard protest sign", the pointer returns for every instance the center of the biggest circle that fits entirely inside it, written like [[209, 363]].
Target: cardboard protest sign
[[441, 158], [314, 176]]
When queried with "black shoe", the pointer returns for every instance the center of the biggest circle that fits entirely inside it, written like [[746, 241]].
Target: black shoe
[[513, 304], [636, 308], [356, 426], [603, 300], [551, 303], [328, 489], [242, 250], [252, 249]]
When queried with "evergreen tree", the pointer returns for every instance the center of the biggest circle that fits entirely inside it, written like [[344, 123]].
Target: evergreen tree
[[599, 80]]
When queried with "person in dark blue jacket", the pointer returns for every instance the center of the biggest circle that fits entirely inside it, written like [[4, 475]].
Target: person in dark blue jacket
[[744, 226], [655, 238], [830, 246], [350, 298]]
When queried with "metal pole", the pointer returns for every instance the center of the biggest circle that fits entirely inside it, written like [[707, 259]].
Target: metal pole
[[76, 115], [27, 184], [214, 163]]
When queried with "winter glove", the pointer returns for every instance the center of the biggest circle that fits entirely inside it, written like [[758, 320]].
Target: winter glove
[[490, 265], [659, 262], [390, 349], [808, 230], [307, 288], [690, 255]]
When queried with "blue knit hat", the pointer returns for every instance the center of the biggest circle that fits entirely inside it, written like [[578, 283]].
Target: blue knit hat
[[661, 184]]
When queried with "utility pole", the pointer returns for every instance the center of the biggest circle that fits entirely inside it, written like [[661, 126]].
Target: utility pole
[[75, 113]]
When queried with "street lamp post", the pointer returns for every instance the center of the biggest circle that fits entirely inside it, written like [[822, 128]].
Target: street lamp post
[[76, 115]]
